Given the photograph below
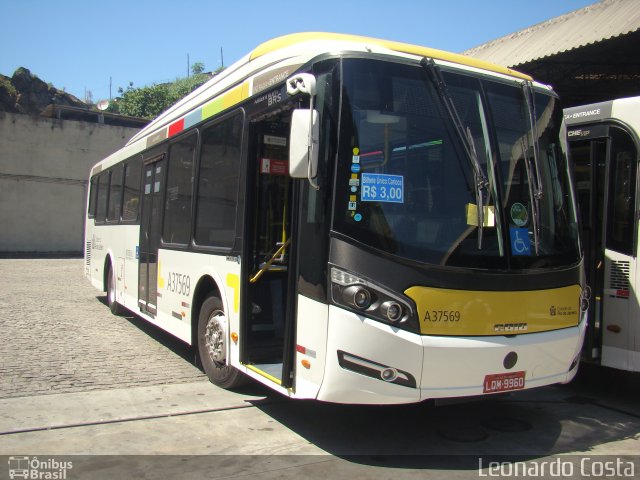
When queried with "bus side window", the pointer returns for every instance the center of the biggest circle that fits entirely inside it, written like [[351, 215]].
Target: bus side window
[[218, 183], [622, 199], [131, 200], [115, 195], [93, 193], [103, 196], [177, 214]]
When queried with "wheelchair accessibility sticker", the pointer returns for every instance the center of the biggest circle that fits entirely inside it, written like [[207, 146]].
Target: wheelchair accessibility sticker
[[520, 241]]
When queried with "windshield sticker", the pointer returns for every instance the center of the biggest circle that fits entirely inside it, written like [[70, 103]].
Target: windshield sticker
[[352, 202], [377, 187], [520, 241], [519, 214], [488, 217], [354, 181]]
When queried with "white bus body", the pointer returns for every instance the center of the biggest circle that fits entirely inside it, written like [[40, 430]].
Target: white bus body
[[456, 272]]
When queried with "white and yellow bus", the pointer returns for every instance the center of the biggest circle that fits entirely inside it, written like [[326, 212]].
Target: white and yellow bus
[[351, 220], [604, 141]]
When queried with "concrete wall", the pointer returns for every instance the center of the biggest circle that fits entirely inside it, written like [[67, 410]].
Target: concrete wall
[[44, 167]]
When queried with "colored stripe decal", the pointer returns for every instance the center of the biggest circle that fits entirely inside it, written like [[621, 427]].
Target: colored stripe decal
[[176, 127], [215, 106], [233, 281], [193, 118], [157, 137], [211, 108]]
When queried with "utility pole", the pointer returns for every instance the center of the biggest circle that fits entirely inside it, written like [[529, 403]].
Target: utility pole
[[188, 66], [221, 58]]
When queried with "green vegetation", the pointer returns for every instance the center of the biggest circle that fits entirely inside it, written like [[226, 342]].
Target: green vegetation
[[149, 102], [5, 84]]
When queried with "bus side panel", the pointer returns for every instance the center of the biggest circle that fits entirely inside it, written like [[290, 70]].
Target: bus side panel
[[358, 350], [131, 234], [179, 273], [619, 313], [98, 253], [311, 344]]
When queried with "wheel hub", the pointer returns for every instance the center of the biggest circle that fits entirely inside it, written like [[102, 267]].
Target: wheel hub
[[215, 335]]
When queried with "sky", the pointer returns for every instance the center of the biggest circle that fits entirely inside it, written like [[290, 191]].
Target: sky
[[93, 47]]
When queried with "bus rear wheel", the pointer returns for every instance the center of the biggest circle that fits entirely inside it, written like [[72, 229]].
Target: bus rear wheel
[[212, 345]]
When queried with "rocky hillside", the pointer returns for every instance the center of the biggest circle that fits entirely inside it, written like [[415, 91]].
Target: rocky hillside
[[26, 93]]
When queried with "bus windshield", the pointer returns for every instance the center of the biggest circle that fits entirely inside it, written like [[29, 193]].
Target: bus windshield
[[406, 185]]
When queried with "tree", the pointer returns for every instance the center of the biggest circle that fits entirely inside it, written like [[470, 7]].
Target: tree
[[197, 68], [151, 101]]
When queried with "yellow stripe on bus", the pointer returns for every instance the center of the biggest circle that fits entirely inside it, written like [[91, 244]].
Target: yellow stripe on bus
[[264, 374], [294, 38], [470, 313]]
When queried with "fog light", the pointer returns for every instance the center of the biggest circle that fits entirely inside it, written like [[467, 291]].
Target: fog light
[[389, 374]]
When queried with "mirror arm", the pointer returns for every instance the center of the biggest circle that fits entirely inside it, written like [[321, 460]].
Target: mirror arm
[[309, 166]]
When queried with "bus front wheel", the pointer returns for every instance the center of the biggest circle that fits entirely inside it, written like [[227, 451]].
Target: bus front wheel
[[212, 345]]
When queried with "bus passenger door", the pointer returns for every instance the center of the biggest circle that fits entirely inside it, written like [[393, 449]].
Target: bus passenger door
[[150, 224], [269, 265], [589, 158]]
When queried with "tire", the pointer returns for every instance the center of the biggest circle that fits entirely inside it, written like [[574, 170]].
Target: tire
[[213, 336], [114, 306]]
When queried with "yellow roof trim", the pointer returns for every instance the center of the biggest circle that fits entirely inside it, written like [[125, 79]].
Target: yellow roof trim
[[294, 38]]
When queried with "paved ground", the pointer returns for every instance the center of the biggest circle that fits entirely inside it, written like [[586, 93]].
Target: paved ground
[[117, 399], [57, 335]]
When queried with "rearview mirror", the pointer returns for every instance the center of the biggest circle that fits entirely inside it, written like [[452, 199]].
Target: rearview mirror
[[303, 144]]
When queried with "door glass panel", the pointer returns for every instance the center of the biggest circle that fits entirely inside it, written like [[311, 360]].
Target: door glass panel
[[622, 187]]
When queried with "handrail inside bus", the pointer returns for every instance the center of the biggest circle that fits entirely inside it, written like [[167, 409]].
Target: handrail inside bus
[[267, 265]]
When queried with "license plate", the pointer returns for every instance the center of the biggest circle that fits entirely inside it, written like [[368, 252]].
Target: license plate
[[503, 382]]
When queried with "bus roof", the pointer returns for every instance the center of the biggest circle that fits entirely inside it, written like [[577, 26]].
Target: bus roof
[[233, 85], [291, 39]]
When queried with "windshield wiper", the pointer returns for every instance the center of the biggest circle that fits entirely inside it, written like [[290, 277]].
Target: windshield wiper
[[527, 88], [535, 181], [535, 204], [464, 135]]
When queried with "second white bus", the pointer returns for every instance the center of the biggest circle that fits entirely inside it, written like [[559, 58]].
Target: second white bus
[[604, 141]]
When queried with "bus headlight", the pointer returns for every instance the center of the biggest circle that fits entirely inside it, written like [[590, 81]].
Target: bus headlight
[[392, 310], [357, 296], [367, 298]]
